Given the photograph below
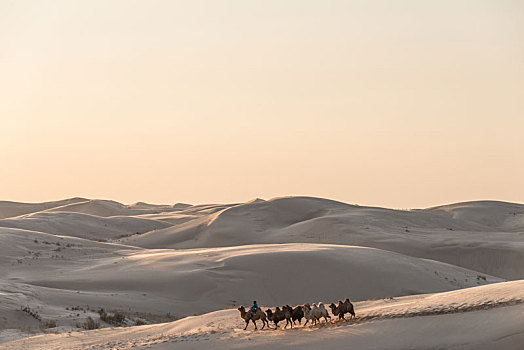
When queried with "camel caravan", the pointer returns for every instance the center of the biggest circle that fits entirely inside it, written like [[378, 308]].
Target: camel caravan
[[291, 315]]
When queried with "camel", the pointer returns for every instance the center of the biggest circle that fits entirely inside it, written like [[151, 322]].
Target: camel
[[315, 313], [280, 315], [323, 312], [297, 313], [348, 307], [308, 314], [342, 308], [258, 315], [335, 310]]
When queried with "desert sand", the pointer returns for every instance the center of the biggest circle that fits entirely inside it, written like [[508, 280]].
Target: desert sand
[[441, 277]]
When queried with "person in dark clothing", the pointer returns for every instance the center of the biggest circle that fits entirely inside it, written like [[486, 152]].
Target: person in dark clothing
[[254, 308]]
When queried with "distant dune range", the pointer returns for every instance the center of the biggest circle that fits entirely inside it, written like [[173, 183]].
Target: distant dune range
[[10, 209], [484, 236], [83, 225], [181, 259]]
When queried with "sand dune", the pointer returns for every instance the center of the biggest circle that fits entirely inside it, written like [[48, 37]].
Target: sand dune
[[202, 280], [35, 251], [499, 215], [486, 317], [435, 233], [192, 259], [107, 208], [83, 225], [98, 207], [275, 274], [11, 209]]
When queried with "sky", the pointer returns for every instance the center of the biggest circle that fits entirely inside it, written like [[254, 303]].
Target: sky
[[403, 104]]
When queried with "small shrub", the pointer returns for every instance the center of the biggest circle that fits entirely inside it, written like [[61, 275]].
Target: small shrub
[[90, 324], [30, 312], [117, 318], [47, 324]]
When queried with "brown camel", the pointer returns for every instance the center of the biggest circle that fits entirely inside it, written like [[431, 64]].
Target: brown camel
[[248, 316], [336, 310], [349, 307], [297, 313], [279, 315]]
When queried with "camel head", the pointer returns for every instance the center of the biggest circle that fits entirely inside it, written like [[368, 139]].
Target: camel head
[[334, 309]]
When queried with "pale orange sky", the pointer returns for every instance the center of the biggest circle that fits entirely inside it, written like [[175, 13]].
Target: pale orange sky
[[394, 103]]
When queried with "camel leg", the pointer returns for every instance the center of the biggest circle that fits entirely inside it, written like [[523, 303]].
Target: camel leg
[[307, 320], [252, 320], [291, 324], [247, 322]]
